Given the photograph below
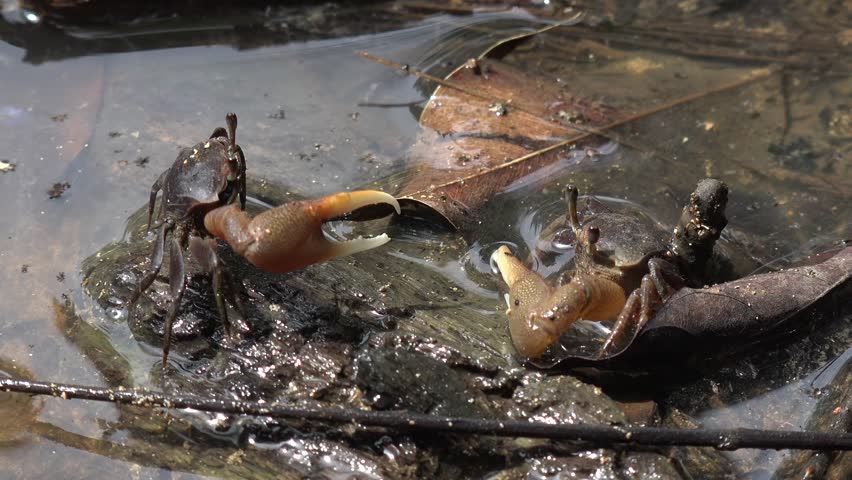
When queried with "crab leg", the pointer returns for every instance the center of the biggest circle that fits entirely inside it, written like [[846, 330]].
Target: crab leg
[[177, 285], [155, 188], [539, 314], [156, 262], [290, 237], [204, 251], [656, 286]]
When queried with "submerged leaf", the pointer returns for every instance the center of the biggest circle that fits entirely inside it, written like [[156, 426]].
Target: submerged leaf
[[493, 126]]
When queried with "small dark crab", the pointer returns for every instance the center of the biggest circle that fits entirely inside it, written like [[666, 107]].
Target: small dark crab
[[203, 177], [624, 269], [199, 201]]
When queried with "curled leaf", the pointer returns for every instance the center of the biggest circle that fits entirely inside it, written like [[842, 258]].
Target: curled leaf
[[496, 125], [697, 322]]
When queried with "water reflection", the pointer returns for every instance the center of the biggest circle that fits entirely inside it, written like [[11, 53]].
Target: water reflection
[[109, 124]]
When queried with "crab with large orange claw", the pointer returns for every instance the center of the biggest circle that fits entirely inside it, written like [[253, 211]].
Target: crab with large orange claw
[[622, 271], [199, 201]]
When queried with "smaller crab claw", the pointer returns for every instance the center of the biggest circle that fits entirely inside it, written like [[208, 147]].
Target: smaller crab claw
[[539, 314], [528, 292], [290, 237]]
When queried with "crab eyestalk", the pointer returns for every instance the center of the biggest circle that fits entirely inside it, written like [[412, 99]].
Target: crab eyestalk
[[539, 314], [231, 122], [586, 236], [571, 195], [589, 240], [235, 154], [290, 237]]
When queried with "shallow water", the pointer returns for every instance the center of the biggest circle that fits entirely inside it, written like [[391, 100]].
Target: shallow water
[[315, 118]]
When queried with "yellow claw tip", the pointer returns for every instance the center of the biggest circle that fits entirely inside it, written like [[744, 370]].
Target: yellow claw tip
[[366, 198], [340, 204], [497, 258]]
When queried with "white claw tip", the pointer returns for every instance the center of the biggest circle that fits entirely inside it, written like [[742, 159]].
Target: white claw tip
[[395, 204], [493, 262], [350, 247]]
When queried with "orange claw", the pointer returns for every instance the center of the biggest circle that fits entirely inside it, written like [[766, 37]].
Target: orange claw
[[539, 314], [290, 237]]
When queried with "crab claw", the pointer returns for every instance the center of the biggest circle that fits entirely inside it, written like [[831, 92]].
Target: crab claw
[[290, 237], [539, 314], [528, 293]]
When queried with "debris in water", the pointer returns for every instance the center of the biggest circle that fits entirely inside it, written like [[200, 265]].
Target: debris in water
[[58, 189]]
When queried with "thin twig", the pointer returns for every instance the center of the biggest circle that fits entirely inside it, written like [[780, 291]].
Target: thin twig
[[599, 435]]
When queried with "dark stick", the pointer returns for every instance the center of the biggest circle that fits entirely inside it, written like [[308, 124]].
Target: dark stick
[[599, 435]]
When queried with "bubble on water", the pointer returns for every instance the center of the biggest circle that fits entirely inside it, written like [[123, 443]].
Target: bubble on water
[[116, 313]]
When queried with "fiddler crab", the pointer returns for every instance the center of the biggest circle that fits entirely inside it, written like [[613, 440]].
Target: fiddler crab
[[622, 271], [199, 201]]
